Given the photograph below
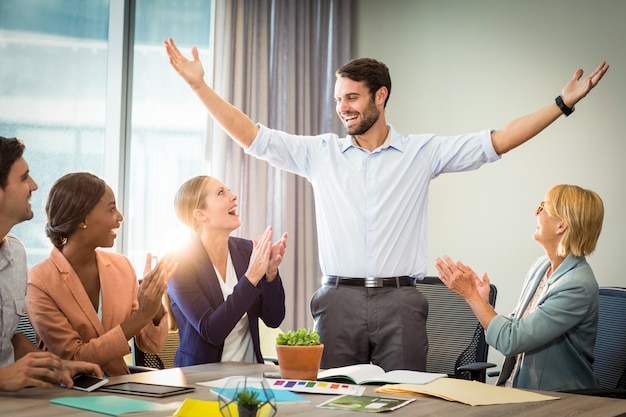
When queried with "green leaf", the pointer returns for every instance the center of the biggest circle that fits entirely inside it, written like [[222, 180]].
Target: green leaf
[[300, 337]]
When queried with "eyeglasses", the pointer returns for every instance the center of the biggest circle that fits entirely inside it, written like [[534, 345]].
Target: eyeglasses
[[542, 207]]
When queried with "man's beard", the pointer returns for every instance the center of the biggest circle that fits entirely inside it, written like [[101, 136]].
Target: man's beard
[[369, 118]]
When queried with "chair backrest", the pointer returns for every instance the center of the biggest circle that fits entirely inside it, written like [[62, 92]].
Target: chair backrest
[[267, 338], [610, 348], [455, 337], [162, 360]]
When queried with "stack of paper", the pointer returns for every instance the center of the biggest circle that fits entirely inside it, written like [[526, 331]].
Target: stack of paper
[[467, 392]]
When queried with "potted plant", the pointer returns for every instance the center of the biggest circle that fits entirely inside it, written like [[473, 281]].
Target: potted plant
[[244, 396], [247, 402], [299, 354]]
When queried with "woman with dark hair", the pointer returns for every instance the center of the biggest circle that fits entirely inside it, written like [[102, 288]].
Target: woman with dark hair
[[548, 340], [85, 303]]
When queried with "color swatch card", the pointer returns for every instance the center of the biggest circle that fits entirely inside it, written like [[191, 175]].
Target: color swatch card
[[315, 387], [312, 387]]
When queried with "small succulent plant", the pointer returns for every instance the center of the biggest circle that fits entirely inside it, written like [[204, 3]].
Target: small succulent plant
[[248, 397], [300, 337]]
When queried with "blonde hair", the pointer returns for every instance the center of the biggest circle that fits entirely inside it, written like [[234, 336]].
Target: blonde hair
[[189, 197], [582, 211]]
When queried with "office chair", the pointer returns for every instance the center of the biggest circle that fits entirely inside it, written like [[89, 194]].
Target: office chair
[[165, 359], [456, 340], [162, 360], [610, 349], [267, 338]]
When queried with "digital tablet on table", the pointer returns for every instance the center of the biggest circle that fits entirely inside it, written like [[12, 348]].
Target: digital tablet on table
[[144, 389]]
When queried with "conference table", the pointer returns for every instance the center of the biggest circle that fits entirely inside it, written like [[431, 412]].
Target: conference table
[[32, 402]]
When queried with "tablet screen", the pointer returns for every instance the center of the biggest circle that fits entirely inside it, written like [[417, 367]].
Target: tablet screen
[[148, 390]]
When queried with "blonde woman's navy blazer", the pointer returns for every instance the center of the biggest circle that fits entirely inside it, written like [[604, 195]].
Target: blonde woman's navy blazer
[[204, 318]]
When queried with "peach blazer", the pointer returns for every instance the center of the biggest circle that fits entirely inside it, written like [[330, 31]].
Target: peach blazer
[[67, 323]]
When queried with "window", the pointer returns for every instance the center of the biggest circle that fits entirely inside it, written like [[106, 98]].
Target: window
[[168, 123], [52, 94], [55, 93]]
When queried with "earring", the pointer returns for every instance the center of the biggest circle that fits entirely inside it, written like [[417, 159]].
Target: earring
[[83, 226]]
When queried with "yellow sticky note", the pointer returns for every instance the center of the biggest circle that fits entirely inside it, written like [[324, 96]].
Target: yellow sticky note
[[198, 408], [203, 408]]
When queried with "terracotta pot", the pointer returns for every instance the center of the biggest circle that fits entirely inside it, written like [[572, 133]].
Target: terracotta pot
[[299, 362]]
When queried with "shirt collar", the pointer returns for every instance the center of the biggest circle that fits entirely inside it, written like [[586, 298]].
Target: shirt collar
[[392, 140]]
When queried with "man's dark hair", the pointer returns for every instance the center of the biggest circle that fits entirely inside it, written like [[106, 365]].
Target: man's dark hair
[[374, 73], [11, 149]]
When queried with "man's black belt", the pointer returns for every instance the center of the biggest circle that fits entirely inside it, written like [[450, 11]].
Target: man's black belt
[[372, 282]]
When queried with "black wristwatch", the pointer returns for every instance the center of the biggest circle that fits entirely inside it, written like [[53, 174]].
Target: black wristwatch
[[566, 110]]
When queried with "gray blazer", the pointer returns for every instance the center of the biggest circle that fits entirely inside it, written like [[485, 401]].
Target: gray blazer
[[556, 340]]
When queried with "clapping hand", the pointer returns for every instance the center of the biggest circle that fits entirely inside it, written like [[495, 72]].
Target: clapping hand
[[154, 284], [462, 279], [266, 257], [276, 257]]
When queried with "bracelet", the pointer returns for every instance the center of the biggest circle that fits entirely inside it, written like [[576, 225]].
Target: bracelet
[[566, 110]]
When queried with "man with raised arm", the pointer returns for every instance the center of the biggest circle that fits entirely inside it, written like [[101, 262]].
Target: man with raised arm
[[371, 198]]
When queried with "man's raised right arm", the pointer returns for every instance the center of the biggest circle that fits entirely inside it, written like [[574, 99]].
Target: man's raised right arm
[[236, 124]]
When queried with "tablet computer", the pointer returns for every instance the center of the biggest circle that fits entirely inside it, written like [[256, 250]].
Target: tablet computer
[[144, 389]]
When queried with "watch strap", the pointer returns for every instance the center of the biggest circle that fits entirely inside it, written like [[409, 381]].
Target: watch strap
[[566, 110]]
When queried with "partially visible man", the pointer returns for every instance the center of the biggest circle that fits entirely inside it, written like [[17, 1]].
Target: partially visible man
[[21, 363]]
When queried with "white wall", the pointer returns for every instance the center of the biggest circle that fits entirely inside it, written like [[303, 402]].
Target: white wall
[[465, 65]]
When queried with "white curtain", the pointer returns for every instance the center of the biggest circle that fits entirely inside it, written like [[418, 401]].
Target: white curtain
[[276, 61]]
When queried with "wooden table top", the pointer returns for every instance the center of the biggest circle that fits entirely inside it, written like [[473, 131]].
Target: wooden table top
[[33, 402]]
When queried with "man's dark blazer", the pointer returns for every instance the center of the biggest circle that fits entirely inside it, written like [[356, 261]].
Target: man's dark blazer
[[204, 318]]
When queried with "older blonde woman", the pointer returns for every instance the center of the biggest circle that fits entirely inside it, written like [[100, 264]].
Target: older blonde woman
[[548, 340]]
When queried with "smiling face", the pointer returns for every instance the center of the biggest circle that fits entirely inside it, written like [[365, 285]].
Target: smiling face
[[15, 196], [549, 229], [219, 208], [103, 221], [355, 106]]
